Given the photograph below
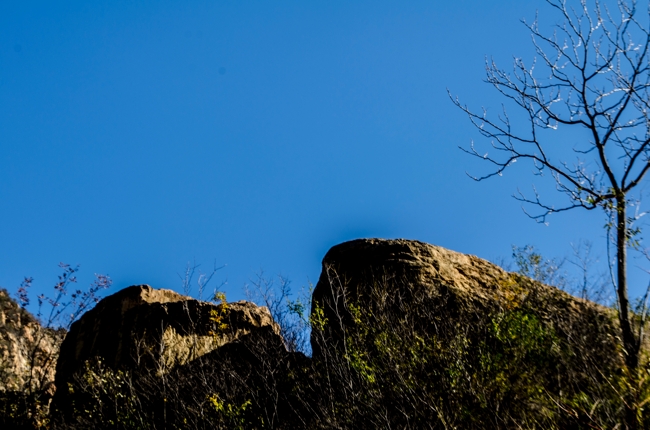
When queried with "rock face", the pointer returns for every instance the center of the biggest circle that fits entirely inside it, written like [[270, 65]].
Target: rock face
[[158, 329], [24, 341]]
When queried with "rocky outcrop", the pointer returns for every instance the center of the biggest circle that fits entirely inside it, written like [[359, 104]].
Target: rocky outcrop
[[161, 329], [404, 335], [176, 350], [418, 322], [372, 272], [28, 351]]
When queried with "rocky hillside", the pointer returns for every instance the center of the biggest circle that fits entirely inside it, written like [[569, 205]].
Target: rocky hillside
[[28, 352], [404, 335]]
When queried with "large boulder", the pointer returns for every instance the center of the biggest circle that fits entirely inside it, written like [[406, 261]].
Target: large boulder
[[376, 273], [429, 335], [404, 273], [155, 356], [142, 328]]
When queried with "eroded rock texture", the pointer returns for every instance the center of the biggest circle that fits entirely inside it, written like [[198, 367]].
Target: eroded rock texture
[[28, 351]]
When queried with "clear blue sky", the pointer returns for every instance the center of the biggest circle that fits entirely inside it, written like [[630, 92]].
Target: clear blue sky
[[135, 136]]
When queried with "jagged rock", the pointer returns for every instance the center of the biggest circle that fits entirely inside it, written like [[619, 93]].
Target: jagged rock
[[28, 351], [155, 330]]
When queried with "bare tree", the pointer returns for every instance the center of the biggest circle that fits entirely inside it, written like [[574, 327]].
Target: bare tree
[[291, 315], [591, 75]]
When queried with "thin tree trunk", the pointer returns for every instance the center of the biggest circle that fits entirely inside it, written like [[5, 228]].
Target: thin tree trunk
[[629, 342]]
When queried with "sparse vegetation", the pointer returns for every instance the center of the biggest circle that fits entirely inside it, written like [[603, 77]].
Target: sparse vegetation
[[391, 357], [31, 345], [589, 76]]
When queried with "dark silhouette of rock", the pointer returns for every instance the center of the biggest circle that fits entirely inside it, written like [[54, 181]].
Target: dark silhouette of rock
[[257, 369]]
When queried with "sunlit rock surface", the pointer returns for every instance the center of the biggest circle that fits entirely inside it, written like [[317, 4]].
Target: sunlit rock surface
[[28, 352], [158, 329]]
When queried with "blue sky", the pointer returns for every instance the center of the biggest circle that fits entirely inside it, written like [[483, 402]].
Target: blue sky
[[137, 136]]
